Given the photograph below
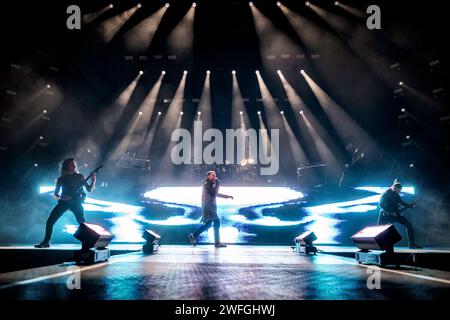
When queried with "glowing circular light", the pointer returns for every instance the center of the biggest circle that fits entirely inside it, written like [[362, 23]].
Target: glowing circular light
[[159, 113], [141, 72], [411, 165], [36, 165], [167, 5], [41, 138], [302, 71], [45, 111], [257, 71], [163, 72], [336, 3], [278, 3], [241, 113], [281, 112], [208, 72], [301, 111], [184, 72], [403, 110], [111, 6], [307, 3], [408, 137], [250, 4], [49, 86], [199, 113], [400, 83], [259, 112], [278, 71], [194, 4], [233, 72], [140, 113], [139, 5], [181, 112]]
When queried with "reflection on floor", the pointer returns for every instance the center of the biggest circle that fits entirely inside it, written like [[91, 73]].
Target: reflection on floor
[[235, 272]]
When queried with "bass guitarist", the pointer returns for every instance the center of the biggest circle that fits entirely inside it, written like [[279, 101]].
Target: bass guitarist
[[70, 195], [391, 206]]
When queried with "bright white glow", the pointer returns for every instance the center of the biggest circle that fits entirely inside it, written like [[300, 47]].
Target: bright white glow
[[199, 113], [301, 111], [184, 72], [139, 5], [45, 111], [181, 112], [167, 5], [111, 6], [371, 231], [380, 190], [241, 113], [141, 72], [281, 112], [163, 72], [208, 72], [336, 3], [250, 4], [227, 235], [233, 72], [279, 71], [159, 113], [400, 83], [99, 229], [257, 71], [259, 112], [307, 3], [403, 110], [278, 3], [243, 196], [194, 4], [140, 113], [302, 71], [49, 86], [70, 228], [263, 221]]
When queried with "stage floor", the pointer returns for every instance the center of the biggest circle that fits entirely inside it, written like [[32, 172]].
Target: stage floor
[[235, 272]]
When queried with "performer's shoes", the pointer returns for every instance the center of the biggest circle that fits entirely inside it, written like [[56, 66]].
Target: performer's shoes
[[43, 245], [415, 246], [192, 239], [220, 245]]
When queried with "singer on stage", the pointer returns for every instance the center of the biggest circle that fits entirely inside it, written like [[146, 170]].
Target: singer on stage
[[209, 193]]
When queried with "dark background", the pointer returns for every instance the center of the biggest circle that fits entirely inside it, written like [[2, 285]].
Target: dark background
[[87, 76]]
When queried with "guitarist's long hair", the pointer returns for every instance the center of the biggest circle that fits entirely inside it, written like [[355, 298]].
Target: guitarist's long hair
[[65, 166]]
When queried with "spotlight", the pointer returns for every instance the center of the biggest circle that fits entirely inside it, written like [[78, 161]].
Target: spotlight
[[111, 6], [194, 4], [49, 86], [411, 165], [163, 72], [259, 112], [376, 238], [279, 71], [257, 71], [400, 83], [281, 112], [233, 72], [278, 3], [141, 72], [307, 3], [94, 240], [140, 113], [199, 113], [167, 5], [36, 165], [139, 5], [208, 72], [159, 113], [151, 245], [250, 4], [336, 3], [241, 113], [184, 72], [302, 71], [181, 113], [301, 111], [403, 110], [45, 111], [41, 138], [408, 137], [304, 243]]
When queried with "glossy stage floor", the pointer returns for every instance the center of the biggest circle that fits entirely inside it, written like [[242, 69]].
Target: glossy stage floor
[[203, 272]]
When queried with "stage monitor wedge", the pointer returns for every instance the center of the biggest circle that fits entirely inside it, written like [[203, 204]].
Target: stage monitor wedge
[[304, 243], [93, 236], [152, 242]]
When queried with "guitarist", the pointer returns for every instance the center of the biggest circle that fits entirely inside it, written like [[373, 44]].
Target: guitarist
[[70, 195], [390, 204]]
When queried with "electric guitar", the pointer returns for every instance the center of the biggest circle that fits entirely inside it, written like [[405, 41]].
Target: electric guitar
[[81, 196]]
